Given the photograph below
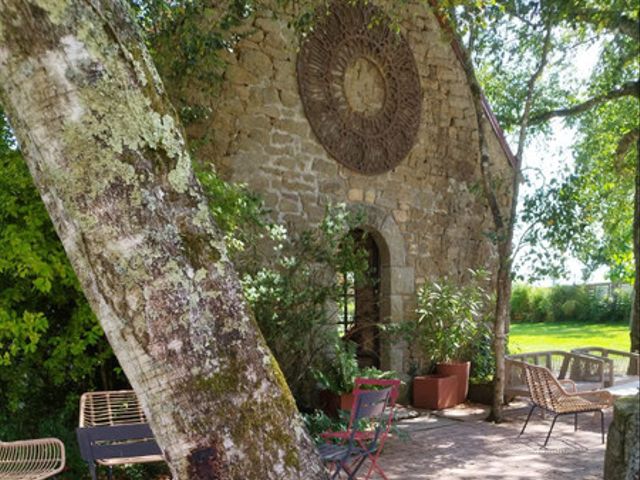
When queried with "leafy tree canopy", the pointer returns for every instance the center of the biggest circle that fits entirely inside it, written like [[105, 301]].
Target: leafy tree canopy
[[589, 211]]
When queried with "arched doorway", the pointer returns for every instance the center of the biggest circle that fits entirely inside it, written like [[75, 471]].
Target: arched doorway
[[360, 305]]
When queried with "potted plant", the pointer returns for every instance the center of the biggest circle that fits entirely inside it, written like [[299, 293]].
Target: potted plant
[[483, 367], [448, 319], [338, 378]]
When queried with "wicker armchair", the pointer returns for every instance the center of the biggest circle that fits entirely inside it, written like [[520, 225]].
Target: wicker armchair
[[549, 395], [115, 407], [31, 459]]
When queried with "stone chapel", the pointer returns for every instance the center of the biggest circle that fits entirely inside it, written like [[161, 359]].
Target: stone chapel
[[362, 115]]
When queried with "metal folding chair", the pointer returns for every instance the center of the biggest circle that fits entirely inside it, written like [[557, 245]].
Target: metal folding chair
[[363, 436], [370, 408]]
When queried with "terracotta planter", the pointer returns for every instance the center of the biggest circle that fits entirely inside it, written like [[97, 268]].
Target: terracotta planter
[[346, 401], [459, 370], [481, 393], [331, 402], [435, 392]]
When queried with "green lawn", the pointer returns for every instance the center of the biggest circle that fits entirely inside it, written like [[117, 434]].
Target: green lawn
[[533, 337]]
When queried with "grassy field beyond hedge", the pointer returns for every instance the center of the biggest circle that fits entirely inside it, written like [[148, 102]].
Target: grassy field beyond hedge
[[533, 337]]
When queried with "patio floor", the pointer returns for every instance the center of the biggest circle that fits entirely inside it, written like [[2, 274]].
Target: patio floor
[[458, 444]]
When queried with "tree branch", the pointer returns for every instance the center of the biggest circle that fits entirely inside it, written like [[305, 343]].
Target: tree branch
[[624, 144], [610, 20], [629, 89], [531, 87]]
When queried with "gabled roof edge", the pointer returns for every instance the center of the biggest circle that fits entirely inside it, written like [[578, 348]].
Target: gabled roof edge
[[461, 55]]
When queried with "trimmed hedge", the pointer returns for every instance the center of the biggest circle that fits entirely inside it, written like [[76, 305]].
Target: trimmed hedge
[[568, 303]]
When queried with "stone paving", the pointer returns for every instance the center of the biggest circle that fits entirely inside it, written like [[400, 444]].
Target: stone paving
[[458, 444]]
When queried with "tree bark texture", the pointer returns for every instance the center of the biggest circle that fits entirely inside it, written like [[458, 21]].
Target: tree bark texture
[[107, 153]]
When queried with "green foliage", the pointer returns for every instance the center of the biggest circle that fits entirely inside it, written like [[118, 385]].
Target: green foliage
[[449, 317], [290, 280], [587, 212], [565, 303], [319, 422], [289, 284], [51, 346], [239, 213], [450, 324], [186, 39], [483, 361], [339, 374]]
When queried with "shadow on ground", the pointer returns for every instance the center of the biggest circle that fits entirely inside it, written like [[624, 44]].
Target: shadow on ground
[[458, 444]]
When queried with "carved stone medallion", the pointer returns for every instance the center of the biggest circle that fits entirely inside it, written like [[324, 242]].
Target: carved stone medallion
[[360, 87]]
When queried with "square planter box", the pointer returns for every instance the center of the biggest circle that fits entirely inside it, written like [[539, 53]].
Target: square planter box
[[461, 371], [435, 392], [331, 402]]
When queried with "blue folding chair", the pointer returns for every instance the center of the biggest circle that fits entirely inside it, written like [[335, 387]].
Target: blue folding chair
[[369, 406]]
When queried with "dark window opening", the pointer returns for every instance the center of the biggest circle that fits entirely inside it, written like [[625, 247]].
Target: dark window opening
[[360, 305]]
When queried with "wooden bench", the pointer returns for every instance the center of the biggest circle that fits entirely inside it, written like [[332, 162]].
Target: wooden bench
[[113, 430], [620, 367], [585, 371]]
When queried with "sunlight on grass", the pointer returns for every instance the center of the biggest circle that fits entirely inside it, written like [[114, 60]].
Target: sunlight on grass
[[534, 337]]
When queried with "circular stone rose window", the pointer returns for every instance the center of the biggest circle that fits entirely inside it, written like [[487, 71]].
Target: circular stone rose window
[[360, 88]]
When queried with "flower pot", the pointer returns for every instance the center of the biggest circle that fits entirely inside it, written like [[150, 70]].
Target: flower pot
[[481, 393], [461, 371], [346, 401], [331, 402], [435, 392]]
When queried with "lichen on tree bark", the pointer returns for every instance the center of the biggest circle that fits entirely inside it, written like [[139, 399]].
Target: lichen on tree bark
[[107, 153]]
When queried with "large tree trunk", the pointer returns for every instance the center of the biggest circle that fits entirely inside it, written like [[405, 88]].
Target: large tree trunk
[[108, 156]]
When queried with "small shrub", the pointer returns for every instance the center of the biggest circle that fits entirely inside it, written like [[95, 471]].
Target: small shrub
[[563, 303], [449, 319]]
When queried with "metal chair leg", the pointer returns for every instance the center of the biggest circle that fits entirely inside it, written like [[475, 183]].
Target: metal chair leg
[[336, 474], [533, 407], [352, 475], [550, 430], [602, 424], [575, 422]]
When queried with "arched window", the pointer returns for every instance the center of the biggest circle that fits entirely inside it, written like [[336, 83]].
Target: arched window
[[360, 304]]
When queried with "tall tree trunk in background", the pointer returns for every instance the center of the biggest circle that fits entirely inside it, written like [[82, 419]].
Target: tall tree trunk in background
[[107, 153], [504, 222], [503, 231], [635, 308], [503, 226]]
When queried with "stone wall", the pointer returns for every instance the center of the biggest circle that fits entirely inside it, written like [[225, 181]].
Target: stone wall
[[428, 214], [622, 458]]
